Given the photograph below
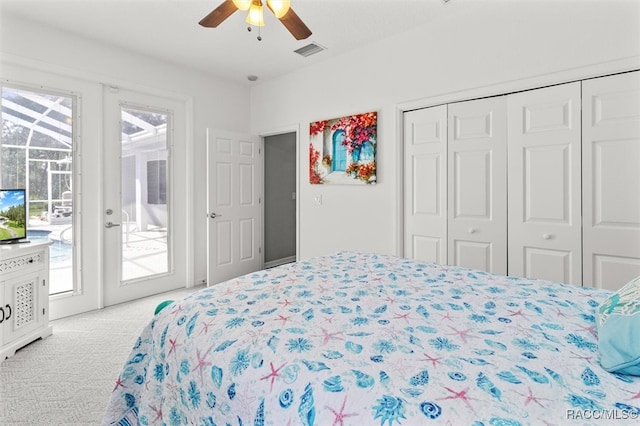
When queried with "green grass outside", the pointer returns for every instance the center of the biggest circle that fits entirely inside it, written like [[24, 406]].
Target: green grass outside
[[4, 233]]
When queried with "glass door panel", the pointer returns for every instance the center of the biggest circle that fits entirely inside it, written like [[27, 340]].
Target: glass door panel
[[37, 153], [145, 216]]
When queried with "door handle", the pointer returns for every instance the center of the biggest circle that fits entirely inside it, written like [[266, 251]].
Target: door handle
[[111, 225], [9, 314], [214, 215]]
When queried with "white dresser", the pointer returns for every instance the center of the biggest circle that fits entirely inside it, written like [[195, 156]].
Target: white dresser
[[24, 296]]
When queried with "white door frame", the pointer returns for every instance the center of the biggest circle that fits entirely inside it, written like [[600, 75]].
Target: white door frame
[[280, 131], [271, 132]]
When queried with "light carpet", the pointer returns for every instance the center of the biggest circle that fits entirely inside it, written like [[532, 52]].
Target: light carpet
[[67, 378]]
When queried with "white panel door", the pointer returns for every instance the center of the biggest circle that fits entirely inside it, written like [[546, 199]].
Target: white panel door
[[611, 179], [234, 225], [544, 179], [477, 184], [425, 183]]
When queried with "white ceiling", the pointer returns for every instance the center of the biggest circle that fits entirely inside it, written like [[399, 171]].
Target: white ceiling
[[168, 29]]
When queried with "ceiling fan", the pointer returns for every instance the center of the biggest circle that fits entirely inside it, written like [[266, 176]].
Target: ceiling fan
[[280, 8]]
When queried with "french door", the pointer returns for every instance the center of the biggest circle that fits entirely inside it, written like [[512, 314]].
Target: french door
[[144, 215]]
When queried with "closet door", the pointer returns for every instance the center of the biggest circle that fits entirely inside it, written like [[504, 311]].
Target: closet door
[[611, 179], [544, 184], [477, 184], [425, 180]]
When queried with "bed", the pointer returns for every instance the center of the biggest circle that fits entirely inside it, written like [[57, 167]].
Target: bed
[[367, 339]]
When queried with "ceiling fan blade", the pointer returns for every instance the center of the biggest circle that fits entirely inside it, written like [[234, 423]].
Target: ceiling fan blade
[[218, 14], [294, 24]]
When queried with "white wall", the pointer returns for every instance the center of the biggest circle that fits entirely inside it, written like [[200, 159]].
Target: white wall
[[491, 45], [476, 45], [215, 103]]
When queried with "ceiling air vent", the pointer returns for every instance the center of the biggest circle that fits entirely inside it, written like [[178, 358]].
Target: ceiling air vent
[[309, 49]]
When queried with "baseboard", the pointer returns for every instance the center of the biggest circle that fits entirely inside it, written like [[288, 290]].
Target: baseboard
[[279, 262]]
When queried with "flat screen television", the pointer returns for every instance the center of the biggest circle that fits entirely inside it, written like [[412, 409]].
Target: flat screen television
[[13, 216]]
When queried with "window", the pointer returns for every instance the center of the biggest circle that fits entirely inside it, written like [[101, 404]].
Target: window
[[157, 182]]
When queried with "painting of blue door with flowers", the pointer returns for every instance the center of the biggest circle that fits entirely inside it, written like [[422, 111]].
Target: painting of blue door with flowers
[[343, 150]]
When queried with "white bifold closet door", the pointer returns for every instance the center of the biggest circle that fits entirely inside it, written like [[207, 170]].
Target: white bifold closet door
[[544, 175], [477, 184], [425, 184], [611, 180]]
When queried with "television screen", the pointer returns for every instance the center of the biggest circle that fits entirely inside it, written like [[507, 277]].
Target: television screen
[[13, 215]]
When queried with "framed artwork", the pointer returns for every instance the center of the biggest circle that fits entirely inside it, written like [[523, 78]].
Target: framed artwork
[[343, 150]]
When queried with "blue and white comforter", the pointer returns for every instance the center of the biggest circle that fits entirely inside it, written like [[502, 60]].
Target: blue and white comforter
[[365, 339]]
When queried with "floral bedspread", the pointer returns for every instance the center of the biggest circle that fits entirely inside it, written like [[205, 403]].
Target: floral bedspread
[[366, 339]]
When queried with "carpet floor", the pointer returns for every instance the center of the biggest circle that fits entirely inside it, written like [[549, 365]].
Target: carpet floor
[[67, 378]]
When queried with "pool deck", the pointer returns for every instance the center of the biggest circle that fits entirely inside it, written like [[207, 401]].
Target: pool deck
[[143, 253]]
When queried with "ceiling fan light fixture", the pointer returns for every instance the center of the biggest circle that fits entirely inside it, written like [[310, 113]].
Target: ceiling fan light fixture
[[242, 4], [255, 17], [256, 14], [279, 7]]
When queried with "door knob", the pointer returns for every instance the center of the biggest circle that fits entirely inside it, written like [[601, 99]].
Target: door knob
[[547, 236], [214, 215], [472, 230], [111, 224]]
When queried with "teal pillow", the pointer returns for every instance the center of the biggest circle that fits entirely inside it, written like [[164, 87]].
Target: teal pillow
[[162, 305], [618, 321]]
